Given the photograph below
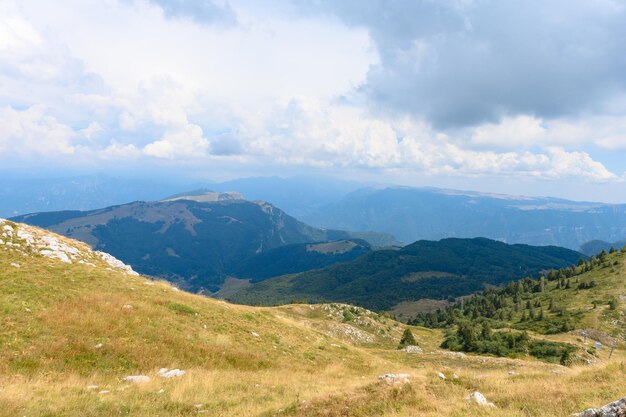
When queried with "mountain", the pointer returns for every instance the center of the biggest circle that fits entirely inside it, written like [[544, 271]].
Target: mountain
[[29, 195], [300, 257], [83, 335], [596, 246], [449, 268], [297, 196], [588, 296], [196, 239], [428, 213]]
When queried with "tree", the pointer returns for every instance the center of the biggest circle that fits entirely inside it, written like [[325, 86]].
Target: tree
[[407, 339]]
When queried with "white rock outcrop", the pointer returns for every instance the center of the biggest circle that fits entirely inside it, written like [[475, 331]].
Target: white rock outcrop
[[614, 409], [395, 378], [479, 399], [170, 373], [33, 241], [413, 349]]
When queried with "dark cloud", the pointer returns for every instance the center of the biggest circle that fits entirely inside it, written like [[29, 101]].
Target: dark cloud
[[459, 63], [201, 11]]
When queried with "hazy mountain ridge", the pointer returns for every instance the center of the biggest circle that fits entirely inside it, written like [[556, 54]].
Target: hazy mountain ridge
[[428, 213]]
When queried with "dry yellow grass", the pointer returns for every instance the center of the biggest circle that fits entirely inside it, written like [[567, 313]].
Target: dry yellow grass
[[243, 361]]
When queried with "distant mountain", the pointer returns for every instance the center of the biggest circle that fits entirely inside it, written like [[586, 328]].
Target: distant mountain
[[297, 196], [382, 279], [429, 213], [20, 196], [596, 246], [195, 240]]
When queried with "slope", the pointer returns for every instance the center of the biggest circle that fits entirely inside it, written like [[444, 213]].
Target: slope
[[75, 326], [423, 270], [430, 213], [193, 243]]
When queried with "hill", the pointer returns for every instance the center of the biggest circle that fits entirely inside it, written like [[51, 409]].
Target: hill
[[77, 324], [194, 240], [429, 213], [589, 296], [299, 257], [596, 246], [446, 269]]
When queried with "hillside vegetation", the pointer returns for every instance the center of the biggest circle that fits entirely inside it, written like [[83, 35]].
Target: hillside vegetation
[[75, 327], [449, 268]]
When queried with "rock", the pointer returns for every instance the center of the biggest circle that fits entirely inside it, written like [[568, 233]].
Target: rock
[[455, 376], [98, 346], [137, 379], [170, 373], [127, 307], [106, 391], [441, 375], [115, 263], [92, 387], [479, 399], [255, 334], [395, 378], [413, 349], [15, 265], [614, 409]]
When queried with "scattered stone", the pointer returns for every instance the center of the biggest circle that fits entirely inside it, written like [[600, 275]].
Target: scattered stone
[[441, 375], [106, 391], [127, 307], [170, 373], [98, 346], [395, 378], [413, 349], [614, 409], [137, 379], [92, 387], [479, 399], [255, 334], [512, 373], [15, 265], [161, 391], [455, 376], [198, 405]]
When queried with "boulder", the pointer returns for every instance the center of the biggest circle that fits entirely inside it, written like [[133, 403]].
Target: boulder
[[614, 409], [170, 373], [479, 399], [137, 379]]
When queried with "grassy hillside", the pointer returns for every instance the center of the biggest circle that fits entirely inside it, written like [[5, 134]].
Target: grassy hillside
[[72, 331], [423, 270]]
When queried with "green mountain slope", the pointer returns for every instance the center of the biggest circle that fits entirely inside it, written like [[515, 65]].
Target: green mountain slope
[[423, 270], [589, 296], [299, 257], [196, 244]]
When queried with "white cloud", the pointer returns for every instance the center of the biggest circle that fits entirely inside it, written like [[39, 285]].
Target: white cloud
[[186, 143]]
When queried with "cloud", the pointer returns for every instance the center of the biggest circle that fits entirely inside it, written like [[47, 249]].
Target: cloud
[[187, 143], [460, 63], [201, 11], [33, 132]]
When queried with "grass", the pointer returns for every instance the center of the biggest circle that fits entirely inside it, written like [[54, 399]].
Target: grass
[[66, 328]]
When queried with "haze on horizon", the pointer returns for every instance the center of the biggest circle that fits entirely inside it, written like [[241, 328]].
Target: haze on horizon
[[511, 97]]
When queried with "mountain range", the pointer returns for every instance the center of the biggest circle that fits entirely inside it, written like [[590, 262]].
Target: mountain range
[[411, 214], [196, 239]]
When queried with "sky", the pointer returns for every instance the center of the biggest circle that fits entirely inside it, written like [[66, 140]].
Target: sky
[[522, 97]]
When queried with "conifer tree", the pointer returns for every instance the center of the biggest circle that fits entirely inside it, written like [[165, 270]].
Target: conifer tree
[[407, 339]]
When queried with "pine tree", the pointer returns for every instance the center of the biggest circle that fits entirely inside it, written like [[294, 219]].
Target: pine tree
[[407, 339]]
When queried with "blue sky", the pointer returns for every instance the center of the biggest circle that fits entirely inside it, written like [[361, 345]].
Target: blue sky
[[519, 96]]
